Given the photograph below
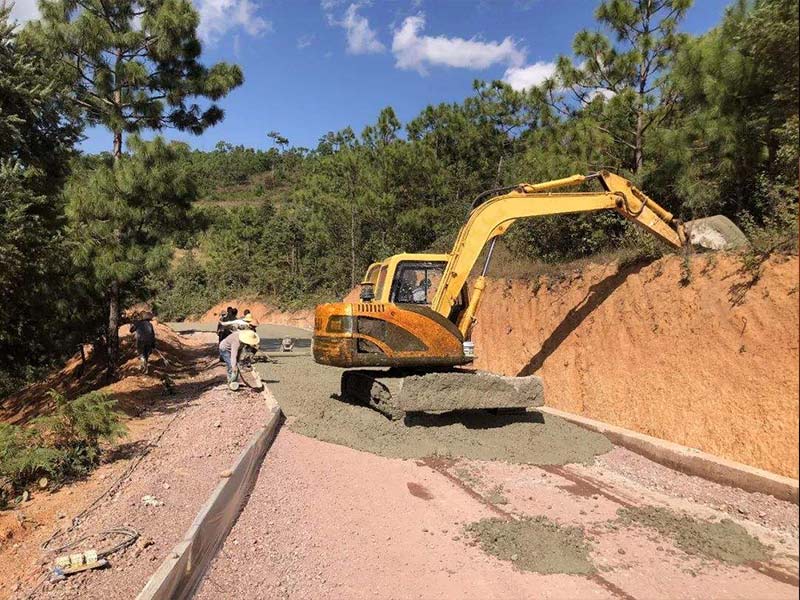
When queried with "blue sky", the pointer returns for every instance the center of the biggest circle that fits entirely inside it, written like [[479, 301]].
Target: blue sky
[[313, 66]]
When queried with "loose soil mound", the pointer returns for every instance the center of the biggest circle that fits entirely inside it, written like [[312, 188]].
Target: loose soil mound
[[304, 391], [534, 544], [711, 365], [725, 541], [132, 390], [263, 313]]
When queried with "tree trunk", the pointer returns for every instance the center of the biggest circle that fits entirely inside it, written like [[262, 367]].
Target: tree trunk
[[117, 145], [112, 347], [638, 153]]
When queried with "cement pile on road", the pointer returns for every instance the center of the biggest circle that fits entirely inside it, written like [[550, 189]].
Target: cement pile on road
[[725, 540], [534, 544], [305, 389]]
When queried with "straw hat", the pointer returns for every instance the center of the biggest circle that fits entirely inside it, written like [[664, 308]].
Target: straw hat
[[248, 318], [249, 337]]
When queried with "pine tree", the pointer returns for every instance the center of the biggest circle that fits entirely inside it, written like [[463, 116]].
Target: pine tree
[[36, 141], [631, 73], [132, 65], [122, 214]]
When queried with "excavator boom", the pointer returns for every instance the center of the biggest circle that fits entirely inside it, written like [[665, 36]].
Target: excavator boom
[[491, 218]]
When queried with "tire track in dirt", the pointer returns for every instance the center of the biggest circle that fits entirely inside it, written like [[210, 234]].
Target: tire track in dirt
[[585, 486], [441, 466]]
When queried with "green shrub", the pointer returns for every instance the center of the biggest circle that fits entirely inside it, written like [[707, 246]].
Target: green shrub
[[22, 459], [61, 445], [776, 233]]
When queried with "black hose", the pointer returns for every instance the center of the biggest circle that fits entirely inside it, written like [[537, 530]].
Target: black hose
[[484, 196]]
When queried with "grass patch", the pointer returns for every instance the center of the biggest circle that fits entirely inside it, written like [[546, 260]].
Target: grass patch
[[58, 446]]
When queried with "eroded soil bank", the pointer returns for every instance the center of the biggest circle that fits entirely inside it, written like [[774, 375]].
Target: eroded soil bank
[[711, 365], [263, 313]]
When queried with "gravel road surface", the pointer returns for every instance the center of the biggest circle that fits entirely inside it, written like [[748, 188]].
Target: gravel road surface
[[204, 429]]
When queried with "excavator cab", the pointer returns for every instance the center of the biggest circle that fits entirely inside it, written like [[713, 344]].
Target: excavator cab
[[394, 324]]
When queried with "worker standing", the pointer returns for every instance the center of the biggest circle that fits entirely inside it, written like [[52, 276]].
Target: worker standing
[[246, 322], [142, 330], [232, 348], [251, 320], [224, 317]]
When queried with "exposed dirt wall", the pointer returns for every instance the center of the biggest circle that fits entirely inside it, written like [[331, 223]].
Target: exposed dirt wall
[[634, 347], [263, 313], [133, 390]]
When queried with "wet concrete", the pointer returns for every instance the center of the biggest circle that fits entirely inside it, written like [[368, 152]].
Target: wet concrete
[[723, 540], [534, 544], [308, 394]]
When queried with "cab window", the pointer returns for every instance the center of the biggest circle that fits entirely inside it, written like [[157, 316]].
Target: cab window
[[381, 282], [371, 273], [416, 282]]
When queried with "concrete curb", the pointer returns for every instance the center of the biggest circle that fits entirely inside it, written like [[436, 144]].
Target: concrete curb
[[182, 571], [689, 460]]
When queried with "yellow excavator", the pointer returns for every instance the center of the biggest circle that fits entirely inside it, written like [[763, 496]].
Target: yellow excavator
[[416, 314]]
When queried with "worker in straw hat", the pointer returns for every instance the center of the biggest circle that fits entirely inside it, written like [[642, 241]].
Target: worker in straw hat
[[233, 347]]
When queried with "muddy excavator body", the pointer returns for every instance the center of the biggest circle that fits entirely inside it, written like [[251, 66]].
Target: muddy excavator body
[[394, 324], [415, 314]]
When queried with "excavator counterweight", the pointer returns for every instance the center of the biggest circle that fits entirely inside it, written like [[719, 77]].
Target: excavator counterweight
[[416, 315]]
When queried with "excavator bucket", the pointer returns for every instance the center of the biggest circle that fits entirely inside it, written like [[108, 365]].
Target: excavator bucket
[[396, 392], [714, 233]]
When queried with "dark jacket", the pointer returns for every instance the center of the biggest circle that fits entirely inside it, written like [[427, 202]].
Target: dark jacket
[[144, 333]]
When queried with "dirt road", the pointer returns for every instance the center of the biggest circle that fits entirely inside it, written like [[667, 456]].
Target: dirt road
[[349, 504], [159, 480], [445, 508]]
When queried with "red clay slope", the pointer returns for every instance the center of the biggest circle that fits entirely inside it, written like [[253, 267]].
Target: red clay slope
[[263, 313], [635, 348], [131, 389]]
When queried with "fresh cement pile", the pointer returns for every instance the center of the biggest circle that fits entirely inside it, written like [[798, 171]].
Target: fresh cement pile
[[725, 540], [536, 544], [305, 389]]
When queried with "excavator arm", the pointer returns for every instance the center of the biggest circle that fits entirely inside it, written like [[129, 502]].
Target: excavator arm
[[491, 217]]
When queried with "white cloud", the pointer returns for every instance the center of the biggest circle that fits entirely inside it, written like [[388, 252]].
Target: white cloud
[[606, 94], [304, 41], [361, 38], [522, 78], [23, 11], [415, 51], [217, 17]]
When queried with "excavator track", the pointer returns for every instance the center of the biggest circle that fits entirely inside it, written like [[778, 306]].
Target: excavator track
[[397, 392]]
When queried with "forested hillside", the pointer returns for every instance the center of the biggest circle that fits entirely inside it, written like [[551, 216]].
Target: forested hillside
[[704, 124], [719, 134]]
